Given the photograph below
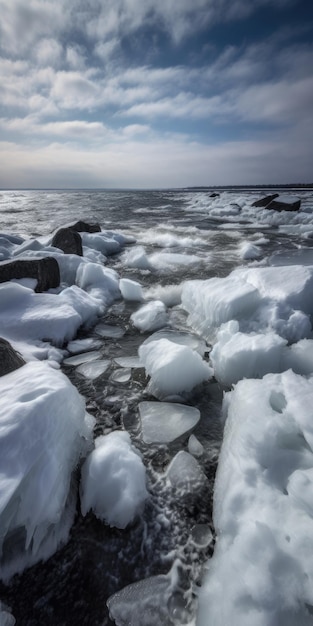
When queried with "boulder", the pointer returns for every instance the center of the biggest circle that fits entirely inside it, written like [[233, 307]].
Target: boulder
[[68, 240], [10, 360], [263, 202], [214, 195], [46, 271], [288, 203], [83, 227]]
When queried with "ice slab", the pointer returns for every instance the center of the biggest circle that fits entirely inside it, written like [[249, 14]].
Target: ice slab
[[121, 375], [85, 357], [128, 361], [174, 369], [194, 446], [114, 480], [80, 345], [185, 474], [180, 337], [143, 603], [164, 422], [151, 316], [201, 535], [94, 369], [110, 331]]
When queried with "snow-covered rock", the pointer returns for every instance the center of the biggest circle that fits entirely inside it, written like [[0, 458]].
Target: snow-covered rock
[[44, 430]]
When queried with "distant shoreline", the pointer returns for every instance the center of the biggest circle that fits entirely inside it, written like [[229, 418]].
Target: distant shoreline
[[216, 188]]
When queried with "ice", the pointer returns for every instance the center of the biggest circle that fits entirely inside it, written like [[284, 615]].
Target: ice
[[238, 355], [180, 337], [122, 375], [6, 617], [174, 369], [100, 282], [108, 330], [137, 257], [201, 535], [114, 480], [143, 603], [261, 572], [94, 369], [249, 250], [164, 422], [84, 357], [185, 474], [44, 429], [128, 361], [131, 290], [80, 345], [169, 294], [151, 316], [194, 446]]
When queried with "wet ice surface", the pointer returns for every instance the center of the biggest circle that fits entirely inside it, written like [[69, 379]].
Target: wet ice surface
[[180, 242]]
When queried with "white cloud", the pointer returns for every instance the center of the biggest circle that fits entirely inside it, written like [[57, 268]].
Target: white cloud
[[48, 52]]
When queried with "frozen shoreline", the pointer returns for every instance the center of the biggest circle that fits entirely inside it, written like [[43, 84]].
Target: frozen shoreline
[[259, 322]]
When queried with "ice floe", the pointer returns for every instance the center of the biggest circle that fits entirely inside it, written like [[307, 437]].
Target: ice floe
[[164, 422], [150, 316]]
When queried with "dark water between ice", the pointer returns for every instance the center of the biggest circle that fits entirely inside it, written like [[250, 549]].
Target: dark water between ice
[[72, 587]]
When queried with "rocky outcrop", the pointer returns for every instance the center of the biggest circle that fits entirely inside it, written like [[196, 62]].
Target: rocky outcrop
[[10, 360], [286, 204], [46, 271], [263, 202], [68, 240], [214, 195], [83, 227]]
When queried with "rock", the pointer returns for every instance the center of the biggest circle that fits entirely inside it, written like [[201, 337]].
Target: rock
[[68, 240], [263, 202], [46, 271], [214, 195], [83, 227], [288, 203], [10, 360]]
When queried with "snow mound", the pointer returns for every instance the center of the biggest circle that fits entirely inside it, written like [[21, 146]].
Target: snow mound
[[43, 432], [174, 369], [261, 572], [114, 480]]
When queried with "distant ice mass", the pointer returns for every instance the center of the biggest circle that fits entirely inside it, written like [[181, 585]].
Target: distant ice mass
[[114, 480], [164, 422]]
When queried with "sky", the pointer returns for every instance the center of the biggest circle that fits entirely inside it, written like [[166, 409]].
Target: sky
[[155, 93]]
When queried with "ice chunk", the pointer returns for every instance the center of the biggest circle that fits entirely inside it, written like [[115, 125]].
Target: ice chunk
[[101, 282], [180, 337], [201, 535], [185, 474], [237, 355], [108, 330], [163, 422], [114, 480], [150, 317], [43, 432], [137, 257], [174, 369], [143, 603], [80, 345], [121, 375], [131, 290], [6, 617], [249, 250], [194, 446], [128, 361], [94, 369], [85, 357], [261, 571]]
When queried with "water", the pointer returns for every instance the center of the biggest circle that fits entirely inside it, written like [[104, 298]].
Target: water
[[74, 585]]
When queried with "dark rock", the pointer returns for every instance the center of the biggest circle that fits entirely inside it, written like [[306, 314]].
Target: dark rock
[[214, 195], [281, 205], [10, 360], [68, 240], [83, 227], [263, 202], [46, 271]]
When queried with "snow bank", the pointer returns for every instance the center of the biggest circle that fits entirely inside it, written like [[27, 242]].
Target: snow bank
[[43, 432], [174, 369], [114, 480], [261, 573]]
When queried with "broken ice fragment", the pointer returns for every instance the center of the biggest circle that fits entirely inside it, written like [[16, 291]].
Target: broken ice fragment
[[163, 422], [108, 330], [94, 369], [86, 357]]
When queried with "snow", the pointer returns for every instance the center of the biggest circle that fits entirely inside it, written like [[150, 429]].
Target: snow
[[151, 316], [114, 480], [174, 369], [44, 430], [131, 290], [263, 507], [164, 422]]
